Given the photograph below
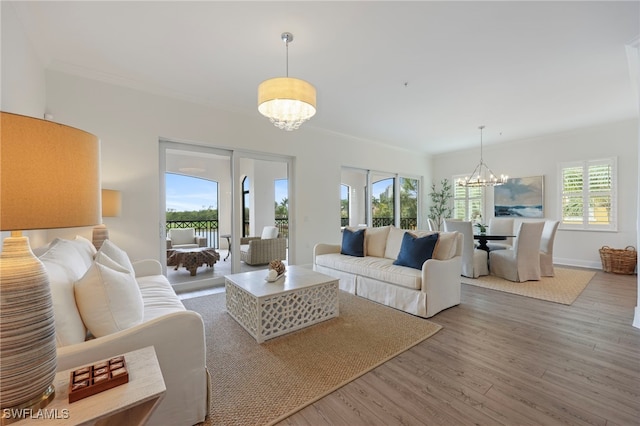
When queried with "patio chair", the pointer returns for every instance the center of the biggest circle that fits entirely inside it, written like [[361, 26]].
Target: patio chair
[[262, 250], [184, 238]]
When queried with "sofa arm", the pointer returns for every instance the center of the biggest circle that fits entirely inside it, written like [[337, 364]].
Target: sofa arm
[[321, 248], [441, 283], [146, 267], [246, 240], [182, 361], [201, 241]]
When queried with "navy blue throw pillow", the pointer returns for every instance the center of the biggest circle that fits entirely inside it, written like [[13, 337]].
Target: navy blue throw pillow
[[415, 251], [353, 242]]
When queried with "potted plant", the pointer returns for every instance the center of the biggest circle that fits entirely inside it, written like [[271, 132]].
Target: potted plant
[[440, 207]]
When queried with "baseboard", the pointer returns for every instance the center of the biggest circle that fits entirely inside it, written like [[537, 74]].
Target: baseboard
[[636, 318], [577, 263]]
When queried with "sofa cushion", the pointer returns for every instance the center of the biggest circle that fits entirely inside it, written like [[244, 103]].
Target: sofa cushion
[[375, 241], [353, 242], [158, 297], [415, 251], [108, 298], [378, 268], [65, 265], [116, 254]]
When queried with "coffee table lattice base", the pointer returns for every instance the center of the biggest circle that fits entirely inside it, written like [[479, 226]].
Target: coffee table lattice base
[[283, 313]]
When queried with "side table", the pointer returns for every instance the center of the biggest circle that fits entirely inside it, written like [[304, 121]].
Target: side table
[[131, 403]]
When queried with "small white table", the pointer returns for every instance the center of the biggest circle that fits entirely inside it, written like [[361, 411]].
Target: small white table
[[129, 404], [266, 310]]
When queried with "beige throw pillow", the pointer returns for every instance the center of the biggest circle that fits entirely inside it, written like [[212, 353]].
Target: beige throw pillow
[[108, 298], [446, 248], [375, 241]]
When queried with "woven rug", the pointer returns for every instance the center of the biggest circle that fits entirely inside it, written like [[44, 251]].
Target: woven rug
[[564, 288], [259, 384]]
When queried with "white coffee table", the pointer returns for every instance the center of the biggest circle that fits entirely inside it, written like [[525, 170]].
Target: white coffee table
[[266, 310]]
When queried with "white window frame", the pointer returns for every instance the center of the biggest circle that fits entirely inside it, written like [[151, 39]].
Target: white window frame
[[467, 199], [584, 225]]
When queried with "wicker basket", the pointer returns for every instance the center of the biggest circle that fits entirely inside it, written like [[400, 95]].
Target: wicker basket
[[619, 261]]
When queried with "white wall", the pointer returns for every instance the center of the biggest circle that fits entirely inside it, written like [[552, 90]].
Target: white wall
[[129, 124], [23, 82], [541, 155]]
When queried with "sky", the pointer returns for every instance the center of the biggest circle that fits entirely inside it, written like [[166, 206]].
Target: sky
[[184, 193]]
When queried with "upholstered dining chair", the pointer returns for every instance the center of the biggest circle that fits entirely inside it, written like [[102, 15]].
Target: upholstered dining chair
[[474, 261], [432, 225], [522, 262], [546, 247], [501, 226]]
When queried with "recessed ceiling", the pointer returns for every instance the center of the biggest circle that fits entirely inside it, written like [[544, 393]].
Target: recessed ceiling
[[418, 75]]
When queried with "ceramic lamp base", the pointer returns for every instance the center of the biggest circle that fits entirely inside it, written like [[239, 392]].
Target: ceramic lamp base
[[27, 329]]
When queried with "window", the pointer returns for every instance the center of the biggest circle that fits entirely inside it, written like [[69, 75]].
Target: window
[[588, 191], [467, 201], [344, 205], [382, 202], [408, 203]]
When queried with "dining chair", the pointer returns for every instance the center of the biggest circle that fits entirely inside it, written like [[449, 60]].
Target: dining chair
[[432, 225], [546, 247], [522, 262], [474, 261], [501, 226]]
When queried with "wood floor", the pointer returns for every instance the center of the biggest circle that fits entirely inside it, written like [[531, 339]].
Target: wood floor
[[503, 359]]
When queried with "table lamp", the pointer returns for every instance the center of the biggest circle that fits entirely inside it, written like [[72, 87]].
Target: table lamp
[[49, 178], [111, 206]]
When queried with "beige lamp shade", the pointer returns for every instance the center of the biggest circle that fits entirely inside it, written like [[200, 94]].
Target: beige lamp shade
[[49, 175], [287, 102], [111, 203]]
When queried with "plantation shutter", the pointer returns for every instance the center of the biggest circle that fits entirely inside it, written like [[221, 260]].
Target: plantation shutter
[[588, 195]]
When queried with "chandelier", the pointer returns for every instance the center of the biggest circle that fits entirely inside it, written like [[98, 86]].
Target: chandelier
[[482, 175], [287, 102]]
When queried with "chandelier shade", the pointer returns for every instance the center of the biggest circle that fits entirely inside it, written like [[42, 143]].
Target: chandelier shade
[[287, 102], [482, 175]]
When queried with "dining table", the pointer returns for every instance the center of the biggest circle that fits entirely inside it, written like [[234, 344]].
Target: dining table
[[483, 238]]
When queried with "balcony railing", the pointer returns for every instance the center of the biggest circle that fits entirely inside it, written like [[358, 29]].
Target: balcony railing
[[209, 228], [405, 222]]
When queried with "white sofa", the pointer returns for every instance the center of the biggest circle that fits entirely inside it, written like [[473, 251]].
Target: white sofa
[[423, 292], [86, 296]]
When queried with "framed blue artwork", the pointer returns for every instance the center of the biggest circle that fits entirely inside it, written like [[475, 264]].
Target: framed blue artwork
[[520, 197]]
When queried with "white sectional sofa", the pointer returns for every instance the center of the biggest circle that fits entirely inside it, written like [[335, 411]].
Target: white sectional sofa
[[423, 292], [104, 305]]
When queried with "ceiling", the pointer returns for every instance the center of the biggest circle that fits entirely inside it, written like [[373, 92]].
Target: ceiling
[[417, 75]]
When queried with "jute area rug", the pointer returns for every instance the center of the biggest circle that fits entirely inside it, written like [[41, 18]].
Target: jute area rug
[[259, 384], [564, 288]]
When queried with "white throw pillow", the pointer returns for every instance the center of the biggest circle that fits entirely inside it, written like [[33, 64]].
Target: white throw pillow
[[64, 267], [116, 254], [108, 298], [269, 232]]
